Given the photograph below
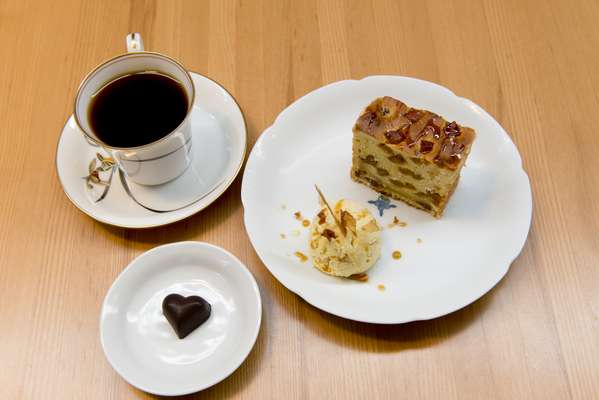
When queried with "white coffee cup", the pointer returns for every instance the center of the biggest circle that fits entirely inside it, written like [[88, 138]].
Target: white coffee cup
[[153, 163]]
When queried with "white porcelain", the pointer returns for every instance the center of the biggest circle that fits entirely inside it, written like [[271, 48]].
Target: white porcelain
[[461, 256], [140, 344], [219, 130], [157, 162], [209, 154]]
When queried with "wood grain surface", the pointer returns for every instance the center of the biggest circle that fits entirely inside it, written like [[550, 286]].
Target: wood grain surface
[[533, 65]]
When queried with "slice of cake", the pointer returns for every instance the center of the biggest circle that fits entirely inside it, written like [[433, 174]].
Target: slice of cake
[[409, 154]]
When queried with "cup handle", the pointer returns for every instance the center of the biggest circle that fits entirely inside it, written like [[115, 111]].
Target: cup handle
[[134, 43]]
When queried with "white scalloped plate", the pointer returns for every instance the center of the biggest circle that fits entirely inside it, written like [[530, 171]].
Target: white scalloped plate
[[458, 258]]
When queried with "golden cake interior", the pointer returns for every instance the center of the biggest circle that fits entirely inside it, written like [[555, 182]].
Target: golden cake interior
[[409, 154]]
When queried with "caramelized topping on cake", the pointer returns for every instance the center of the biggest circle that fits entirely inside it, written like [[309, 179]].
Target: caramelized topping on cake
[[396, 136], [426, 146], [428, 136], [452, 129], [368, 121], [414, 115], [451, 152], [428, 130], [415, 136], [388, 107], [435, 124]]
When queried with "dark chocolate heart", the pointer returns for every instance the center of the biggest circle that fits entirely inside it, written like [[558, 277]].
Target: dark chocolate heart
[[185, 313]]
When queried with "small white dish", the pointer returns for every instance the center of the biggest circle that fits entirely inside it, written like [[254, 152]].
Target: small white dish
[[140, 344], [458, 258], [218, 143]]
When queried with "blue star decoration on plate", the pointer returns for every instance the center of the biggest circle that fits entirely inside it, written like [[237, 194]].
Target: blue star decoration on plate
[[382, 203]]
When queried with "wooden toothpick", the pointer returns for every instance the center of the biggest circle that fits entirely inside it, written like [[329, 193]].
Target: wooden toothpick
[[337, 222], [326, 203]]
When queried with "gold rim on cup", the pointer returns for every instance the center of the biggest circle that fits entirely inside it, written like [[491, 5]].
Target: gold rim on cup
[[112, 61]]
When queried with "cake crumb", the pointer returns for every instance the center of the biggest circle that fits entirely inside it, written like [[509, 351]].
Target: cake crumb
[[301, 256], [295, 232], [298, 215], [283, 207], [359, 277], [397, 222], [381, 287], [306, 223], [396, 254], [283, 236], [418, 240]]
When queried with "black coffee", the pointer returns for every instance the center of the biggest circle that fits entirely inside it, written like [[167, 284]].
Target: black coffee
[[137, 109]]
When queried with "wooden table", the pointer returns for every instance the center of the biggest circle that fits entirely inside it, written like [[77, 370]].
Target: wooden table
[[533, 65]]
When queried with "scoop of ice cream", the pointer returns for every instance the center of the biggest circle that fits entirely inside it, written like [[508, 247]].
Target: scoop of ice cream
[[346, 253]]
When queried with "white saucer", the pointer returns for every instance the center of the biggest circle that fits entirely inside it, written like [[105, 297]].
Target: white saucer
[[459, 257], [140, 344], [219, 144]]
